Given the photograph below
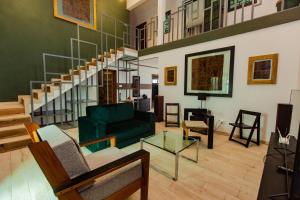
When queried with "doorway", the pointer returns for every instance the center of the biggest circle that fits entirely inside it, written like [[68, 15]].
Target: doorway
[[141, 36], [108, 93]]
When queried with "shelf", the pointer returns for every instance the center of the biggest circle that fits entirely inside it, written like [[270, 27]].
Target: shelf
[[128, 58], [51, 113], [128, 70], [174, 114], [82, 101]]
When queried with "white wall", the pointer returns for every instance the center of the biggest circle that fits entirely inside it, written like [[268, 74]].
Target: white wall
[[141, 14], [283, 39], [131, 4]]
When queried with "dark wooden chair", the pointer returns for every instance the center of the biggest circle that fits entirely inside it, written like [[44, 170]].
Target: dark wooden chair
[[98, 181], [241, 125]]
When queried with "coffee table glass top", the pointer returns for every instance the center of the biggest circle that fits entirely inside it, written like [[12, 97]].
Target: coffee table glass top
[[168, 141]]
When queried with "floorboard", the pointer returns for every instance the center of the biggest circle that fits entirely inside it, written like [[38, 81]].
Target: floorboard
[[228, 172]]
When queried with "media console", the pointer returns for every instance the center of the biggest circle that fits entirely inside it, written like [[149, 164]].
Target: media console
[[274, 181]]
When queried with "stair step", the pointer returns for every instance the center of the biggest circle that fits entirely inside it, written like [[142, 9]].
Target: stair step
[[9, 108], [13, 143], [10, 131], [66, 77], [50, 87], [10, 120], [39, 93]]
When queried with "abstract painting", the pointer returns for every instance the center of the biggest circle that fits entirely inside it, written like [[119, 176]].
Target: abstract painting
[[171, 75], [210, 72], [82, 12], [263, 69]]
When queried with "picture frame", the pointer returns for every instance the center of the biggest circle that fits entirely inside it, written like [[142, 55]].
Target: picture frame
[[210, 72], [81, 12], [170, 75], [263, 69]]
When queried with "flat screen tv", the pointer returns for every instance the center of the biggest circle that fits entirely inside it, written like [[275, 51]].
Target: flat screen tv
[[295, 188]]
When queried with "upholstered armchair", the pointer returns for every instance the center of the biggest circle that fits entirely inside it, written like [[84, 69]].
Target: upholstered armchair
[[106, 174]]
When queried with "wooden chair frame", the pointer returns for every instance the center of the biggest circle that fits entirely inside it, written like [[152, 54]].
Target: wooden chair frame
[[66, 188]]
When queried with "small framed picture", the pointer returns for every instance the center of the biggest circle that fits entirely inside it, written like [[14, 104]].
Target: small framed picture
[[263, 69], [171, 75]]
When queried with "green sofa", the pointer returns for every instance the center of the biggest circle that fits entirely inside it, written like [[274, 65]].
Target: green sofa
[[120, 120]]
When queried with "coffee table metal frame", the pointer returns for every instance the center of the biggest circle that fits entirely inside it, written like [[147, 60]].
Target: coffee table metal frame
[[177, 154]]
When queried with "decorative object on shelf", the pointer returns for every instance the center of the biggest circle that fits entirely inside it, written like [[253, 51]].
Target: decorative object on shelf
[[142, 104], [171, 75], [210, 72], [202, 97], [263, 69], [136, 85], [81, 12], [239, 123]]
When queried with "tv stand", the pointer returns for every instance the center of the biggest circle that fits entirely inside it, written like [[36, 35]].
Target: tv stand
[[274, 183]]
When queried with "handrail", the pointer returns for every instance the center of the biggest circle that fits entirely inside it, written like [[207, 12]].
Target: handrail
[[185, 20]]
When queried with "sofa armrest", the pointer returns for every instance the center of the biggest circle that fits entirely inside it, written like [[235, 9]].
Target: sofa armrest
[[89, 129], [145, 116], [111, 138]]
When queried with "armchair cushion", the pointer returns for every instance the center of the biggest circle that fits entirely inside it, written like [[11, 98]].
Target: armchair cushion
[[114, 181], [66, 150]]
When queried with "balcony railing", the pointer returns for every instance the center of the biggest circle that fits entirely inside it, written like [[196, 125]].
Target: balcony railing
[[195, 17]]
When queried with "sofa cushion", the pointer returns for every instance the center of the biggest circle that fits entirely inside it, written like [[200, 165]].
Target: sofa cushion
[[114, 181], [66, 150], [111, 113], [129, 129]]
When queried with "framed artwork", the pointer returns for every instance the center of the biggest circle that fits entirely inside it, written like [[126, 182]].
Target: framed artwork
[[82, 12], [136, 85], [263, 69], [239, 3], [171, 75], [210, 72]]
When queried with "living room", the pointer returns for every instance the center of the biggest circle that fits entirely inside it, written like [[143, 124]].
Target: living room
[[156, 99]]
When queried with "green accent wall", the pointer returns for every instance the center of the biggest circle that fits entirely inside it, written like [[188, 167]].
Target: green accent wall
[[29, 28]]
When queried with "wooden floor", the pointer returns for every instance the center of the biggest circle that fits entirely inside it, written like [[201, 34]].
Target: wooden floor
[[229, 171]]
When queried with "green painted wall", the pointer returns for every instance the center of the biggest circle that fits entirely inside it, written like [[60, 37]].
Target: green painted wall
[[28, 28]]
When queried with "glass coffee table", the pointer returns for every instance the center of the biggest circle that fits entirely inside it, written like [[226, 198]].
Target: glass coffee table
[[172, 143]]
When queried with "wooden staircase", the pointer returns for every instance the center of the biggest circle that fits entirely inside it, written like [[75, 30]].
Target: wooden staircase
[[13, 134], [77, 75]]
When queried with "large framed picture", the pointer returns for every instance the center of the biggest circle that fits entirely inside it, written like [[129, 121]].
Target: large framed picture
[[82, 12], [263, 69], [210, 72]]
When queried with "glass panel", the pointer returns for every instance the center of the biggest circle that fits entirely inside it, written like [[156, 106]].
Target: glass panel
[[215, 15], [207, 20], [168, 141]]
